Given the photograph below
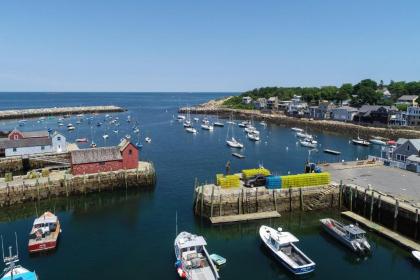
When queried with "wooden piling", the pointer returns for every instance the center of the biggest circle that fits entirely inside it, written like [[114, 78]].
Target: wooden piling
[[290, 199], [301, 199], [351, 198], [340, 194], [202, 201], [220, 205], [275, 201], [256, 199], [211, 203], [371, 205]]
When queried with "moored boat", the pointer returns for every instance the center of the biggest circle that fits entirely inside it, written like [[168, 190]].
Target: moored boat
[[148, 140], [81, 140], [296, 129], [207, 126], [219, 124], [281, 245], [361, 142], [233, 143], [416, 255], [304, 135], [44, 233], [191, 130], [333, 152], [13, 271], [218, 260], [253, 136], [377, 141], [309, 143], [350, 235], [192, 259]]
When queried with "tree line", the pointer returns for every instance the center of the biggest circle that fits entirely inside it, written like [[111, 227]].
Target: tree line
[[365, 92]]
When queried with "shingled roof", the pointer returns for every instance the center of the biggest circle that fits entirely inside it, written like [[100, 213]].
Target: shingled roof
[[26, 142], [95, 155]]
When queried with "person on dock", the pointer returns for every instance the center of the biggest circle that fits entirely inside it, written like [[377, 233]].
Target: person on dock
[[227, 167]]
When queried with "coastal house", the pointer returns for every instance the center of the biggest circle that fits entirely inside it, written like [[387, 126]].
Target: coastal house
[[322, 111], [386, 93], [273, 103], [413, 116], [283, 105], [398, 119], [343, 113], [296, 106], [410, 100], [104, 159], [375, 114], [19, 143], [406, 148], [260, 103], [246, 100]]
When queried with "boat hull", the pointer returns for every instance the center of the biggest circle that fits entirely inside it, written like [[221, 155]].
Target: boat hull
[[42, 246]]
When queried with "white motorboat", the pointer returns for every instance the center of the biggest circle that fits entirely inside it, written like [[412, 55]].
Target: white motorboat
[[196, 119], [207, 126], [191, 130], [233, 143], [350, 235], [181, 117], [192, 259], [263, 123], [416, 255], [148, 140], [105, 136], [219, 124], [282, 246], [187, 123], [231, 122], [304, 135], [377, 141], [296, 129], [70, 128]]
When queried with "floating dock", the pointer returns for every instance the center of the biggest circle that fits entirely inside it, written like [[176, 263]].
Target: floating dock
[[238, 155], [244, 217], [333, 152], [393, 236], [57, 111]]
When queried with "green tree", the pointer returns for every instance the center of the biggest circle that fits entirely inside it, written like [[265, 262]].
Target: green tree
[[344, 93]]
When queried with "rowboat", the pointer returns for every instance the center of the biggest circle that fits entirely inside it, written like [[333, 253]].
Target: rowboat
[[281, 245], [192, 259], [218, 260]]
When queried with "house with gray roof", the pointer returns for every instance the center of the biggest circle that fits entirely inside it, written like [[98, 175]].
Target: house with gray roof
[[406, 148], [375, 114], [410, 100]]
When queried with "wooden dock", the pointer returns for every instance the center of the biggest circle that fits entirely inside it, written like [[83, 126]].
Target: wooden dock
[[57, 111], [393, 236], [244, 217]]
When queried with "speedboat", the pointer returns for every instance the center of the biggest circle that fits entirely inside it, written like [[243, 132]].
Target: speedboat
[[219, 124], [310, 143], [191, 130], [70, 128], [361, 142], [296, 129], [350, 235], [192, 259], [207, 126], [282, 245], [93, 145], [233, 143], [44, 233]]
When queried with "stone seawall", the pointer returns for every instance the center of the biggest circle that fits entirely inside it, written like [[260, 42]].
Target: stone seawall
[[320, 125], [212, 201], [62, 184], [43, 112]]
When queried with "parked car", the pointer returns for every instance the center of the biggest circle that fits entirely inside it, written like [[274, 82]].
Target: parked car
[[256, 181]]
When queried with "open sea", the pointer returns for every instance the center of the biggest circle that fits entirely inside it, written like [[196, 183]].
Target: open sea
[[129, 235]]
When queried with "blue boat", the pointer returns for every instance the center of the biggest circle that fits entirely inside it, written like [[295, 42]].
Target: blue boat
[[13, 271], [281, 245]]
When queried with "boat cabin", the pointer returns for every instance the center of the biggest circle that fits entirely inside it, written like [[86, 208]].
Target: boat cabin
[[43, 227], [354, 232], [192, 251]]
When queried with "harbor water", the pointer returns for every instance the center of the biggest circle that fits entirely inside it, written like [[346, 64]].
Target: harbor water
[[129, 235]]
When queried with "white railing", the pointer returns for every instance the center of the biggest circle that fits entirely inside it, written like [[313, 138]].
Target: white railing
[[389, 162]]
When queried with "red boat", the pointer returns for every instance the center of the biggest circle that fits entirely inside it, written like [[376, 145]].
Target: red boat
[[44, 233]]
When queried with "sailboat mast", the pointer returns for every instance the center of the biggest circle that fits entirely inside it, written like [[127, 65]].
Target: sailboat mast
[[176, 223]]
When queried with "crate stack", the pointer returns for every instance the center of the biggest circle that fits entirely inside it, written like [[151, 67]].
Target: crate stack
[[273, 182], [228, 181], [249, 173], [305, 180]]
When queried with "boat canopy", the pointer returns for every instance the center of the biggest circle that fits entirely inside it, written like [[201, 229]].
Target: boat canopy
[[284, 237], [46, 219], [191, 242], [354, 230]]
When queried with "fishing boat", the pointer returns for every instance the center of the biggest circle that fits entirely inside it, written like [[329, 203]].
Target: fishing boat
[[253, 136], [192, 259], [281, 245], [361, 142], [350, 235], [14, 271], [207, 126], [296, 129], [309, 143], [219, 124], [218, 260], [233, 143], [81, 140], [44, 233], [191, 130], [333, 152], [148, 139]]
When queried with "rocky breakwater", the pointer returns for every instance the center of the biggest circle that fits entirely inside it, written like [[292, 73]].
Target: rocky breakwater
[[42, 112], [212, 201], [214, 107]]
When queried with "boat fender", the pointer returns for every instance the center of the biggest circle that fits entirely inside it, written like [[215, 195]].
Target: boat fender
[[181, 273], [178, 264]]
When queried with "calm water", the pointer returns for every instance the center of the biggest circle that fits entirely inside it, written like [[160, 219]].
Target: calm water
[[130, 235]]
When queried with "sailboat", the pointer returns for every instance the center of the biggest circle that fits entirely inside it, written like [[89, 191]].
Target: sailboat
[[207, 126], [359, 141], [232, 142], [13, 271]]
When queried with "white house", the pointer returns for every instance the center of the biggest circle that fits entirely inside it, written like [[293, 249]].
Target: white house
[[59, 143], [297, 106], [413, 116], [343, 113], [246, 100]]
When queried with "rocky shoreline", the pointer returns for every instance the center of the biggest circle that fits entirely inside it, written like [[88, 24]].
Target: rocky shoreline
[[215, 107]]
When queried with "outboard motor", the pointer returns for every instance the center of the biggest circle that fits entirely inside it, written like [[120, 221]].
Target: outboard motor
[[359, 246], [366, 245]]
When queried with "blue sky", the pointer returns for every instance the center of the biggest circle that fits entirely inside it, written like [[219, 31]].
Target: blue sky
[[198, 45]]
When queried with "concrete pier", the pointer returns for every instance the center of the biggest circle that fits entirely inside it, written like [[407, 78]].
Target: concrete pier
[[244, 217], [63, 184], [57, 111]]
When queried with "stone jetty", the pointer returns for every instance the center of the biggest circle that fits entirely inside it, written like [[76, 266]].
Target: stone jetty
[[63, 184], [43, 112], [215, 107]]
